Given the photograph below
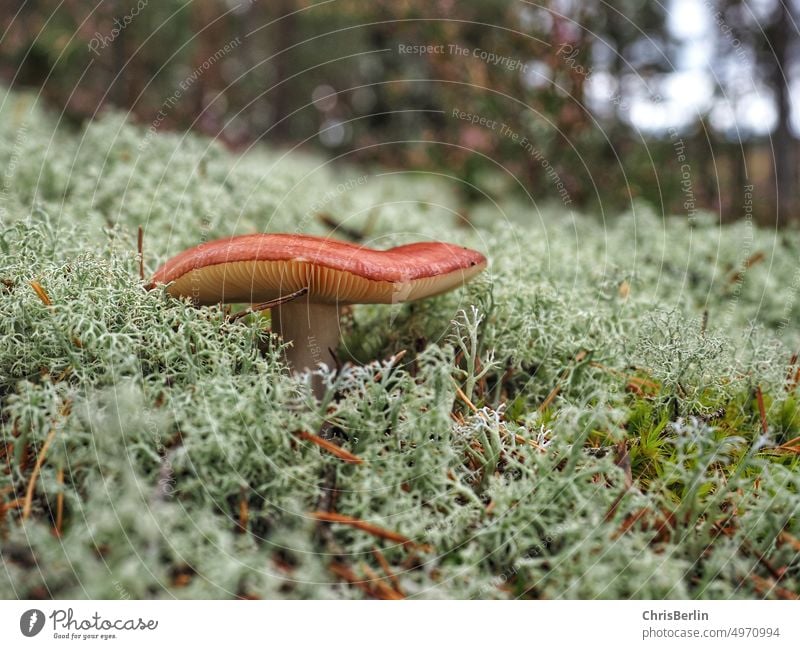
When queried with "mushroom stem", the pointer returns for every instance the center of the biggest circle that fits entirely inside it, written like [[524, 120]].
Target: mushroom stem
[[313, 330]]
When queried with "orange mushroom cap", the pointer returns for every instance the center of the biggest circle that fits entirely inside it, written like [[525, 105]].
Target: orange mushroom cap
[[262, 267]]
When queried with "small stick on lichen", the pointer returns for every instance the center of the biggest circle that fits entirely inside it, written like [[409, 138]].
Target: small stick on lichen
[[391, 364], [553, 394], [343, 572], [792, 374], [383, 590], [519, 439], [557, 387], [778, 450], [244, 511], [762, 411], [785, 537], [466, 399], [329, 446], [795, 441], [738, 275], [268, 305], [369, 528], [5, 507], [387, 569], [767, 586], [43, 296], [26, 510]]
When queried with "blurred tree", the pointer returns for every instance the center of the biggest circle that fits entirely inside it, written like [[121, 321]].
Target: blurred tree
[[506, 95], [757, 48]]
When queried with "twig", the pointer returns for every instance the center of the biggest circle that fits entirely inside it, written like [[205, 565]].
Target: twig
[[557, 388], [369, 528], [43, 296], [465, 399], [519, 439], [283, 299], [752, 260], [553, 394], [5, 507], [785, 537], [331, 447], [343, 572], [392, 363], [244, 511], [791, 443], [781, 450], [26, 510], [623, 460], [328, 492], [765, 586], [792, 377], [795, 380], [761, 409], [387, 569], [384, 590]]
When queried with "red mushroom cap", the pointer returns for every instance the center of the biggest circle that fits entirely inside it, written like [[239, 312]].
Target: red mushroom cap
[[261, 267]]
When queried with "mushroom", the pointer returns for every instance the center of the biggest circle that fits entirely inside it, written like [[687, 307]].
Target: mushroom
[[326, 273]]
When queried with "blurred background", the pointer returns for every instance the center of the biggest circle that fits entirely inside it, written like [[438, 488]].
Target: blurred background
[[686, 104]]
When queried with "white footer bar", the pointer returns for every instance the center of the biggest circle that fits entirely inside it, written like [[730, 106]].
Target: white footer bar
[[386, 625]]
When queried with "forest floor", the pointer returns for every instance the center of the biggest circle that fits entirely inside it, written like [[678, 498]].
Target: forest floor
[[610, 411]]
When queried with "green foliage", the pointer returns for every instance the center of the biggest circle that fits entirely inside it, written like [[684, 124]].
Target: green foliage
[[612, 445]]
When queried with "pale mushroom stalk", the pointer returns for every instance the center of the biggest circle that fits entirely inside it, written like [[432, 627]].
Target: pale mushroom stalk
[[311, 328]]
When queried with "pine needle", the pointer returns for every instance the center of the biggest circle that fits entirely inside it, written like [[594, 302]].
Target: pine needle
[[330, 447], [39, 290], [387, 569], [369, 528], [26, 510]]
